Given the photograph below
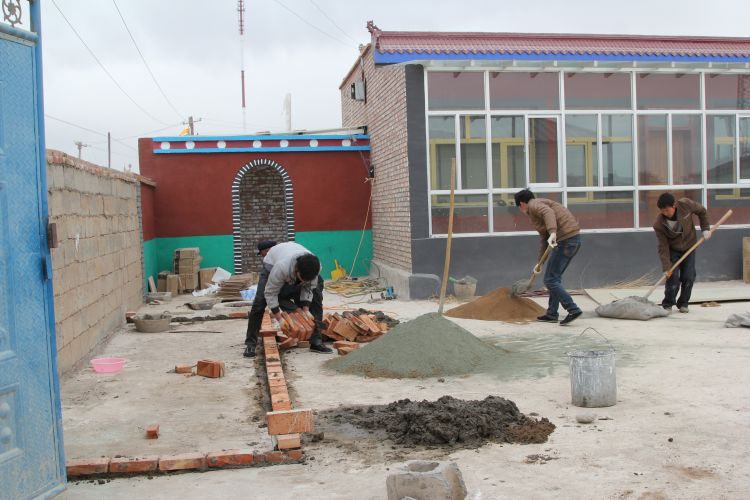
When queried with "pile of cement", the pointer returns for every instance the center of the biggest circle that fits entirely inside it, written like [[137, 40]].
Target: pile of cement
[[447, 422], [499, 305], [429, 346]]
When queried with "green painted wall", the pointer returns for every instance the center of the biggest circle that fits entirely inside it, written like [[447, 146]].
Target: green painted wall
[[341, 245], [217, 251], [150, 268]]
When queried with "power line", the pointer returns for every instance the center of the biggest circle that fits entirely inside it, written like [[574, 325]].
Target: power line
[[311, 25], [74, 125], [114, 80], [332, 21], [145, 63], [142, 134]]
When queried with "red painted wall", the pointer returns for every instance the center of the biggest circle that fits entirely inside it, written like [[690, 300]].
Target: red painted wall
[[147, 211], [194, 191]]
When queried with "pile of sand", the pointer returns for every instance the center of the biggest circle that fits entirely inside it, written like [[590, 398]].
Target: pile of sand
[[499, 305], [447, 422], [429, 346]]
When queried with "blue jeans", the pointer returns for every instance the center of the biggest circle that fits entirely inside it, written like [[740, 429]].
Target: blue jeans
[[682, 280], [558, 263]]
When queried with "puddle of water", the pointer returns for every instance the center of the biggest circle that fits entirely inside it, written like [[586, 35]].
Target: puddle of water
[[537, 355]]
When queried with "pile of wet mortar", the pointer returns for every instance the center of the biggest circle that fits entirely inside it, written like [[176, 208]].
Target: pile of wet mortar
[[447, 422]]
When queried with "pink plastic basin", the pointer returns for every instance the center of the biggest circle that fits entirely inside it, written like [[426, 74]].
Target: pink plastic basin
[[107, 365]]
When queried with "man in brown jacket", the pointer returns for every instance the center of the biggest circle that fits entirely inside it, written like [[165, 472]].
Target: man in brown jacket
[[559, 229], [675, 233]]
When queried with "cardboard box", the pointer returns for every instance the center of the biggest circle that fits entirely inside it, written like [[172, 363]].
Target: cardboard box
[[188, 282], [187, 253], [205, 275], [182, 266], [173, 284], [161, 281]]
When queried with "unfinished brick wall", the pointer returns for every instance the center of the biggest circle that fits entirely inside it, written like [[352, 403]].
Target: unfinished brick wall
[[262, 212], [384, 113], [97, 267]]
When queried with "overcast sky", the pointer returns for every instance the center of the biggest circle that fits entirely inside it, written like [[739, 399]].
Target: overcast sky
[[193, 50]]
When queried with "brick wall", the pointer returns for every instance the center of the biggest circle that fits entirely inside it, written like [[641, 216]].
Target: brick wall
[[262, 212], [384, 113], [97, 267]]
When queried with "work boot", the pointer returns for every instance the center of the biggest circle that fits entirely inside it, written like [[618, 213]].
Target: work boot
[[667, 308], [249, 352], [571, 317], [546, 318], [683, 309], [320, 349]]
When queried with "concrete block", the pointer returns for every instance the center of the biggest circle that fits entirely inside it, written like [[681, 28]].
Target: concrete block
[[423, 480]]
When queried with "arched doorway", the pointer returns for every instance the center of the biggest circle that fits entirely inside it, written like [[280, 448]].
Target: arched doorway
[[263, 209]]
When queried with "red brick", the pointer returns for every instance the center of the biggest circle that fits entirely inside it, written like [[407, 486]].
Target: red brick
[[295, 454], [281, 405], [270, 333], [259, 458], [229, 458], [277, 382], [238, 315], [133, 465], [183, 369], [290, 421], [184, 461], [86, 466], [276, 376], [210, 368], [279, 389], [275, 456], [303, 344], [152, 431], [274, 368], [287, 441]]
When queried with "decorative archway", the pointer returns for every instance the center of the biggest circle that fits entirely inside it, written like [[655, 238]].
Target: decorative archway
[[262, 208]]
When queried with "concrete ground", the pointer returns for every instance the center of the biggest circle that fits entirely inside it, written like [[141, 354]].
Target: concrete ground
[[677, 431]]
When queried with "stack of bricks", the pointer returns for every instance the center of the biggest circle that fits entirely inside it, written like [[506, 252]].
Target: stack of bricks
[[187, 262]]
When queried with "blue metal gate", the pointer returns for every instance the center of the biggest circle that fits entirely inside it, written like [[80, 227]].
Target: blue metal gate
[[31, 453]]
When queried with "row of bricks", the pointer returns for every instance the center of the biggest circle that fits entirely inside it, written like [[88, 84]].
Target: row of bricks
[[183, 462]]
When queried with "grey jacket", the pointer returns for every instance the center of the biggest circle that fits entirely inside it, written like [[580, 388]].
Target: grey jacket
[[281, 264], [683, 240]]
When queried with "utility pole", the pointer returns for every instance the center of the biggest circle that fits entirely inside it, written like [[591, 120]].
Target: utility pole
[[80, 146], [109, 150], [191, 124]]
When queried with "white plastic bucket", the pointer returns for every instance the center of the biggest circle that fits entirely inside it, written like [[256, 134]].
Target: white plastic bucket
[[592, 378]]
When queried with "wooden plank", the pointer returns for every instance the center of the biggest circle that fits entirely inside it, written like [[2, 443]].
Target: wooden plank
[[151, 284]]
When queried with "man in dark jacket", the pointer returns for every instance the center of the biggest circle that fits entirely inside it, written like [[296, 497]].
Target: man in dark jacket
[[675, 233], [559, 229]]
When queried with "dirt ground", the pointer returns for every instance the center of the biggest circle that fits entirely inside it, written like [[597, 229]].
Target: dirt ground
[[676, 431]]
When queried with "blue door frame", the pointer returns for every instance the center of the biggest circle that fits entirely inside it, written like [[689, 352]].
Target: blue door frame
[[32, 462]]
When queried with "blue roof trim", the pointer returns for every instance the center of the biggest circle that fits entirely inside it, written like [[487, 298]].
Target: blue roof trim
[[200, 138], [261, 150], [390, 58]]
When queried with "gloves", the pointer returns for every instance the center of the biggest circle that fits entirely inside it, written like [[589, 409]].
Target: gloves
[[668, 274], [552, 240], [707, 234]]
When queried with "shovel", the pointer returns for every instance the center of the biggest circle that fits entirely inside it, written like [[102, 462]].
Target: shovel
[[523, 285], [689, 251]]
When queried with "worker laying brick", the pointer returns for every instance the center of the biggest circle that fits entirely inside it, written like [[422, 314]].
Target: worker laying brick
[[289, 278]]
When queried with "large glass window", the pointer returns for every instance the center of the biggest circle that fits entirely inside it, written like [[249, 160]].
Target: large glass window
[[506, 216], [686, 149], [721, 160], [442, 150], [455, 90], [597, 91], [469, 214], [473, 133], [508, 151], [516, 90], [581, 153], [721, 200], [602, 209], [667, 91], [727, 91], [647, 209], [543, 161], [744, 142], [617, 150], [653, 158]]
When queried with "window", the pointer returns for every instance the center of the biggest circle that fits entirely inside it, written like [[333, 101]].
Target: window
[[506, 216], [617, 150], [744, 144], [647, 209], [515, 90], [602, 209], [469, 214], [721, 200], [473, 152], [727, 91], [686, 149], [581, 153], [597, 91], [667, 91], [653, 159], [508, 151], [543, 160], [455, 90], [721, 159], [442, 150]]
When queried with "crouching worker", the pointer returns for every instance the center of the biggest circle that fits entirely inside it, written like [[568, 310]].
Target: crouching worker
[[289, 278], [559, 229], [675, 233]]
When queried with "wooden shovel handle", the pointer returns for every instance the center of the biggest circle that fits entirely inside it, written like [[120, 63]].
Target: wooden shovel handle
[[689, 251]]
